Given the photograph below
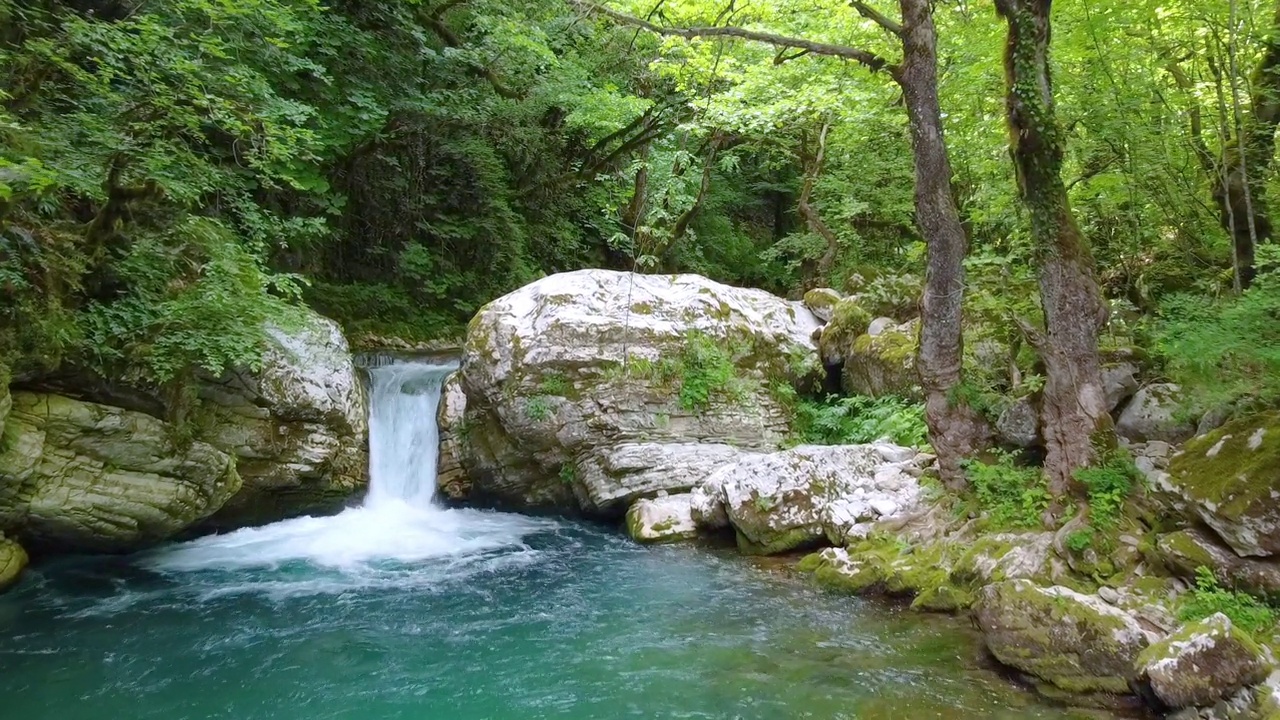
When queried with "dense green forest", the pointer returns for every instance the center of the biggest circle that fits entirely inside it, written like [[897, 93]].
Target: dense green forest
[[175, 172]]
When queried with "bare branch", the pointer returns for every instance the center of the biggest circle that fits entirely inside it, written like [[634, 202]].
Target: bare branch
[[877, 17], [870, 60]]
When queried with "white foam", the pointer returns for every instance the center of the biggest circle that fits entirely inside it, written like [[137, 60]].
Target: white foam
[[398, 529]]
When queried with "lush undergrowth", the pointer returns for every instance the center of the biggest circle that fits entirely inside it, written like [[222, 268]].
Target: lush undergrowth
[[851, 420]]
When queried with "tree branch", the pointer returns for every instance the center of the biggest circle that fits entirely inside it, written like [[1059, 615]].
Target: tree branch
[[872, 61], [877, 17]]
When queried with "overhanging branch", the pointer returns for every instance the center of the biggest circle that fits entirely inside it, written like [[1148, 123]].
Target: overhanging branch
[[869, 59], [877, 17]]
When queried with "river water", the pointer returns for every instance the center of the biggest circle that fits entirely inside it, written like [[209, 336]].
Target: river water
[[399, 609]]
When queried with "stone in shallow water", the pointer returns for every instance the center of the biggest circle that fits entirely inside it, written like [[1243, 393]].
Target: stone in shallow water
[[1201, 663], [1075, 642], [662, 519]]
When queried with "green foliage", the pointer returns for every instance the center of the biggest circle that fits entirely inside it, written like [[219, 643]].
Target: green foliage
[[1108, 486], [555, 384], [568, 473], [1080, 540], [1226, 350], [1208, 597], [538, 408], [704, 372], [1012, 496], [855, 420]]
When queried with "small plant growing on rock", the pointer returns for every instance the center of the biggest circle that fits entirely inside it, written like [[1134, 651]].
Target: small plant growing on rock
[[1208, 597], [555, 384], [1108, 486], [538, 408]]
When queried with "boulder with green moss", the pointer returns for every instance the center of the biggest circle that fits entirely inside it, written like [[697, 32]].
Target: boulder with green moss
[[1185, 551], [13, 560], [666, 518], [884, 364], [1074, 642], [822, 302], [1229, 480], [814, 494], [848, 322], [1201, 663], [588, 390], [1155, 413], [298, 426], [90, 477]]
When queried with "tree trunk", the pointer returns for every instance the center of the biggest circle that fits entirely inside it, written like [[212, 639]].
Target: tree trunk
[[1075, 418], [1240, 185], [956, 431], [813, 163]]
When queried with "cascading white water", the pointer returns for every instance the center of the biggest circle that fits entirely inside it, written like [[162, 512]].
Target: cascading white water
[[397, 524], [404, 439]]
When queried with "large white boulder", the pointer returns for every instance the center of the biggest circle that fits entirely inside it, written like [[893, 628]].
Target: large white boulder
[[298, 427], [588, 390]]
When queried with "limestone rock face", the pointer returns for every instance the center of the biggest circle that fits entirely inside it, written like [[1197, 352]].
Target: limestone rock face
[[586, 391], [451, 478], [799, 497], [884, 364], [298, 428], [13, 559], [1202, 663], [662, 519], [1229, 480], [1184, 551], [1152, 414], [1075, 642], [96, 477]]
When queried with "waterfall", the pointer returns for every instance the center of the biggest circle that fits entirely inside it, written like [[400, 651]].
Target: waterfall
[[404, 440], [397, 530]]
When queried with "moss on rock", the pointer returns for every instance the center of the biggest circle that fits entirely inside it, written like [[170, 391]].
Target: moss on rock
[[1229, 480], [13, 559], [1201, 663]]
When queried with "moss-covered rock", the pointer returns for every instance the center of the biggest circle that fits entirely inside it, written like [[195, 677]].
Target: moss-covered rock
[[1155, 413], [848, 322], [6, 399], [13, 559], [1183, 552], [822, 302], [89, 477], [1229, 480], [1201, 663], [884, 364], [1075, 642], [662, 519]]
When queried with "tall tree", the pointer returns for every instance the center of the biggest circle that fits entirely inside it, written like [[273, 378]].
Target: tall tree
[[955, 429], [1076, 421]]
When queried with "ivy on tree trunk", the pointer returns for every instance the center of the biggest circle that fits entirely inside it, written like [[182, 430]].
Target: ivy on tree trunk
[[1075, 418]]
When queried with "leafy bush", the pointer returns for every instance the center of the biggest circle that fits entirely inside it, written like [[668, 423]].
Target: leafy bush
[[704, 371], [1226, 350], [854, 420], [538, 408], [1012, 496], [1208, 597], [1108, 486]]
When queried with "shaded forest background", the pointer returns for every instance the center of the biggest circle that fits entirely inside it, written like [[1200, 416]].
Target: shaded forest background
[[175, 172]]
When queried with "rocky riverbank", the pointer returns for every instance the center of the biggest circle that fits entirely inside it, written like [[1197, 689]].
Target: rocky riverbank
[[664, 402]]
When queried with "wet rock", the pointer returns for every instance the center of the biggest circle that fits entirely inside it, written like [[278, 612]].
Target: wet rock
[[13, 559], [451, 478], [88, 477], [1077, 643], [1229, 480], [1201, 663], [1154, 414], [663, 519]]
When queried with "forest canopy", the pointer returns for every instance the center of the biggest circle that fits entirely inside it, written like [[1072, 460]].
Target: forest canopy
[[173, 173]]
